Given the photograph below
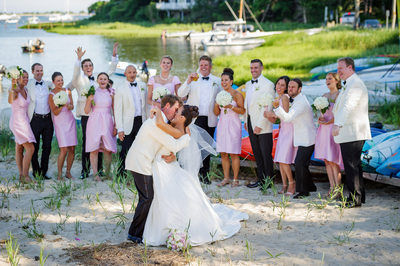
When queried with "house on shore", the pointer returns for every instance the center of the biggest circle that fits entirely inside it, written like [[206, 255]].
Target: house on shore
[[173, 7]]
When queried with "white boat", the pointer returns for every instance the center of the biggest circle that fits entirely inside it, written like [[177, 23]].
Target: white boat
[[66, 17], [55, 18], [4, 17], [360, 63], [232, 42], [13, 19], [33, 20], [143, 72]]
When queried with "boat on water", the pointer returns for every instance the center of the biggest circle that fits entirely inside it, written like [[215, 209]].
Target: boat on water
[[4, 17], [13, 19], [55, 17], [33, 20], [242, 43], [143, 72], [36, 46]]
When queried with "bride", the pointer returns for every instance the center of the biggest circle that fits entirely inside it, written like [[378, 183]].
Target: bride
[[179, 201]]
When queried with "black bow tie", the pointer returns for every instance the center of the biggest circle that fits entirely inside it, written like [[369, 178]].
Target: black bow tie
[[291, 99], [205, 78], [344, 82], [91, 78], [39, 83], [254, 81], [133, 84]]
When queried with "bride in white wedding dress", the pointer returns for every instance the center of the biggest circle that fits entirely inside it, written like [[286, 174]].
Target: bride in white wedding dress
[[179, 201]]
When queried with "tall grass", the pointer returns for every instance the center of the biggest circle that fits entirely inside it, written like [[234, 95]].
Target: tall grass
[[390, 113]]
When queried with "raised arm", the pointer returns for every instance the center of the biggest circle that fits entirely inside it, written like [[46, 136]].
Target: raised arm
[[114, 60], [171, 144]]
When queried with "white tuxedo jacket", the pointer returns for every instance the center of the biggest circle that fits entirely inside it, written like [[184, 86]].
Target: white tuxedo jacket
[[194, 91], [301, 116], [80, 81], [32, 94], [351, 111], [148, 142], [253, 110], [124, 106]]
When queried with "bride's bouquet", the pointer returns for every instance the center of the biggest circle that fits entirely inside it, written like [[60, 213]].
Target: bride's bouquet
[[320, 104], [223, 99], [178, 240], [264, 100], [159, 92], [60, 98], [87, 91]]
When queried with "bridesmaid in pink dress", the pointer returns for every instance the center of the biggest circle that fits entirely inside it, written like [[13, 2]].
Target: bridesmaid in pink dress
[[20, 126], [229, 129], [64, 125], [285, 152], [171, 83], [101, 129], [325, 147]]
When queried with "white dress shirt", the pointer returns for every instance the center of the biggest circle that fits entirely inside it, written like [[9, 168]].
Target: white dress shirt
[[42, 98], [205, 96], [137, 98], [250, 91]]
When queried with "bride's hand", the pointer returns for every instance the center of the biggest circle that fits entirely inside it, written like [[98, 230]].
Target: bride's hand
[[169, 158], [187, 130], [153, 112]]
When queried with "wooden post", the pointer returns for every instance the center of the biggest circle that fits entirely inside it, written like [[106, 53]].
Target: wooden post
[[393, 14], [241, 9]]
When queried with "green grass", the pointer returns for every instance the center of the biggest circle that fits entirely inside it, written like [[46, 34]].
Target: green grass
[[120, 29], [389, 112]]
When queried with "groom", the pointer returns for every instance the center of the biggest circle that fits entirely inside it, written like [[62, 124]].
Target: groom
[[149, 140]]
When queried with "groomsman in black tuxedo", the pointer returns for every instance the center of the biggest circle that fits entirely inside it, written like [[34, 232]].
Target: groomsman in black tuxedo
[[259, 127], [301, 116], [201, 89], [129, 112], [40, 117], [80, 81], [351, 128]]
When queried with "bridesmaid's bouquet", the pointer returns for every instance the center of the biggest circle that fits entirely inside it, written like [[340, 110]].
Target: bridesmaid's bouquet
[[223, 99], [60, 98], [159, 92], [178, 240], [320, 104], [264, 100], [87, 91], [14, 72]]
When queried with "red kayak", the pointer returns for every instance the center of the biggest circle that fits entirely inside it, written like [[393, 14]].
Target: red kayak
[[247, 151]]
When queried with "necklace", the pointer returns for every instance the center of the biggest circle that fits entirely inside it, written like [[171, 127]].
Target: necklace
[[165, 79]]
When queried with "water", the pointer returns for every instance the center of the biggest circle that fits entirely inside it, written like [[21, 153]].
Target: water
[[59, 53]]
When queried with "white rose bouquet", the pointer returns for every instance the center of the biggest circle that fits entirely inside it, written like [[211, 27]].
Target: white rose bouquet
[[223, 98], [178, 240], [14, 72], [264, 100], [60, 98], [87, 91], [159, 92], [320, 104]]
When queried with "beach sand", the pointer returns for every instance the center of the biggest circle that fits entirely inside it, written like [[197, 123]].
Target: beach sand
[[302, 233]]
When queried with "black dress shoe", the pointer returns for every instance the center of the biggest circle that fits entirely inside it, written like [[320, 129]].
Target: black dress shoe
[[313, 189], [134, 239], [301, 195], [83, 176], [47, 177], [254, 185]]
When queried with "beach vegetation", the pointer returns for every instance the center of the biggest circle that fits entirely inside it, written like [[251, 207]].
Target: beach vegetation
[[42, 258], [12, 248], [249, 251], [389, 113], [343, 237], [272, 256]]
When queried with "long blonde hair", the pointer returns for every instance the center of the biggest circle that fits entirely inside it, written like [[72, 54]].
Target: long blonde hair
[[336, 77]]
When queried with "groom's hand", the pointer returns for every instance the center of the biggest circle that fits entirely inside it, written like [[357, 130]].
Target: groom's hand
[[169, 158]]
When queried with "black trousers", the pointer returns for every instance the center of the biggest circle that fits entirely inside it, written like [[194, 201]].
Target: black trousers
[[144, 186], [262, 150], [127, 143], [304, 181], [42, 127], [202, 121], [86, 155], [351, 153]]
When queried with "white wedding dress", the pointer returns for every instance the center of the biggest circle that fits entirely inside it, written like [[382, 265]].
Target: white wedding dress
[[180, 203]]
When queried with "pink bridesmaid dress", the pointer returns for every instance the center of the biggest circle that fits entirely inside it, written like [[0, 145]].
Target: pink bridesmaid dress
[[229, 131], [100, 125], [285, 151], [325, 147], [65, 126], [169, 86], [19, 121]]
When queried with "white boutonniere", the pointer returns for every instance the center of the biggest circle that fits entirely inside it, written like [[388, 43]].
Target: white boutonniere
[[257, 88]]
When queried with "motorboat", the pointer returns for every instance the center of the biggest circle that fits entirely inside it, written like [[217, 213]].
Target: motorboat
[[55, 18], [36, 46], [143, 71], [33, 20], [13, 19]]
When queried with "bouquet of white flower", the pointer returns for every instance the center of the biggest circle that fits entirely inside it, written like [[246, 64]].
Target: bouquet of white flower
[[223, 99], [177, 240], [320, 104], [159, 92], [60, 98], [87, 91], [264, 100], [13, 72]]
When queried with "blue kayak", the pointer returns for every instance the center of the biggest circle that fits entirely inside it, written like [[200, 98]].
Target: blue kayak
[[379, 138], [381, 152], [391, 166]]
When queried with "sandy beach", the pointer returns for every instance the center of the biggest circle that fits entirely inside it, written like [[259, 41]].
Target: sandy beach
[[57, 216]]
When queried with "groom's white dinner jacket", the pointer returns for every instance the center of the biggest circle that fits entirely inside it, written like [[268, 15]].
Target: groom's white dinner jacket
[[125, 107], [351, 111], [301, 116], [37, 91], [148, 142], [80, 81]]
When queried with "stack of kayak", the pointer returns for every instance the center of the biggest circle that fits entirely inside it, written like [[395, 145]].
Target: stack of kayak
[[382, 153]]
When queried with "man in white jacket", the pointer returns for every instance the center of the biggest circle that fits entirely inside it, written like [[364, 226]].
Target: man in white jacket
[[351, 128]]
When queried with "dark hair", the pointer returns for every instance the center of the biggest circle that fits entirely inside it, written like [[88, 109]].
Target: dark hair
[[167, 57], [171, 99], [36, 64], [229, 72], [111, 82], [55, 74], [24, 71], [256, 61], [336, 77], [298, 81], [86, 60], [348, 61], [103, 73], [190, 112], [206, 58], [286, 79]]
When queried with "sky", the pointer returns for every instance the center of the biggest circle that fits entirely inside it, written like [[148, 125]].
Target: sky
[[45, 5]]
